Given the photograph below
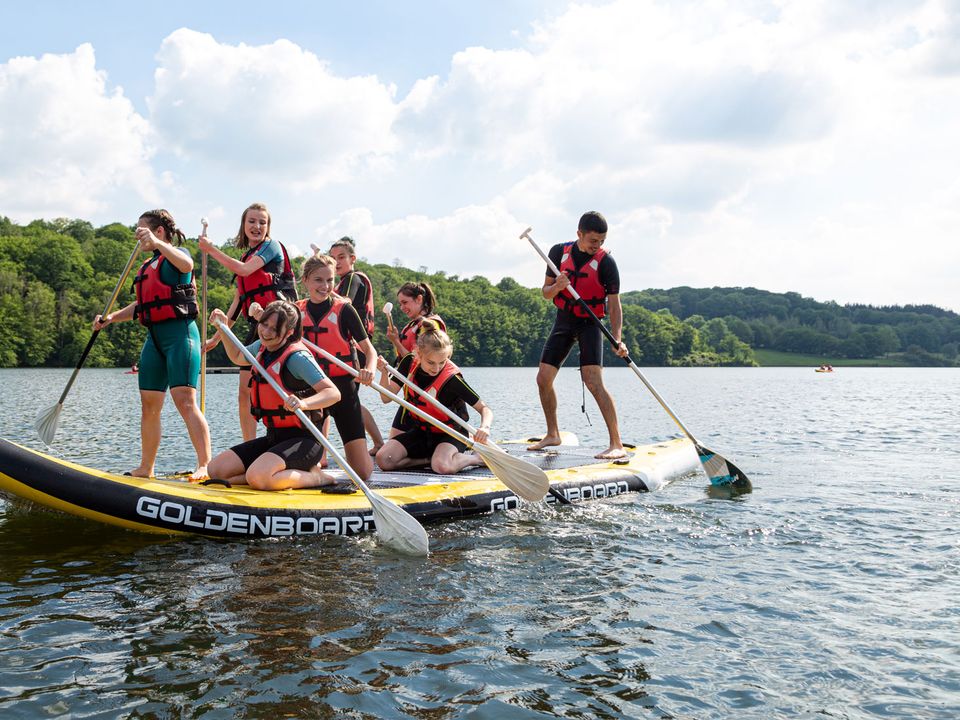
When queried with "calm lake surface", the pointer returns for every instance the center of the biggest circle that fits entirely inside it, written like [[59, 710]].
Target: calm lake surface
[[831, 591]]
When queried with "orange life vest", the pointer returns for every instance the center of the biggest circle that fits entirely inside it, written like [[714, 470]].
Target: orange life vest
[[265, 284], [586, 281], [265, 404], [327, 335], [447, 372], [157, 301], [366, 312], [408, 336]]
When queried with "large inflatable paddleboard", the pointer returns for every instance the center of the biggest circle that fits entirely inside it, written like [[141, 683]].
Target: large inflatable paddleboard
[[174, 506]]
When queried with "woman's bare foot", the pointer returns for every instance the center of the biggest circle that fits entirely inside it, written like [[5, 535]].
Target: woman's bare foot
[[199, 475], [141, 472], [321, 477], [546, 441], [611, 453]]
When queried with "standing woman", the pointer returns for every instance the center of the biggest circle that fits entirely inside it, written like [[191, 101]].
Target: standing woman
[[263, 274], [356, 287], [286, 456], [332, 323], [166, 305], [417, 302]]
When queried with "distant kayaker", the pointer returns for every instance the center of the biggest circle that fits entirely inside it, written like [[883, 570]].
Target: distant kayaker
[[431, 368], [417, 302], [166, 305], [594, 274], [356, 287], [263, 274], [287, 456], [332, 323]]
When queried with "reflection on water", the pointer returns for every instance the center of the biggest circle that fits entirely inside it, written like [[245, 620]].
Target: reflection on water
[[827, 592]]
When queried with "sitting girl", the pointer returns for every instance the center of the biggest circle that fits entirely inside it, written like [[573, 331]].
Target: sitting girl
[[286, 456], [430, 368]]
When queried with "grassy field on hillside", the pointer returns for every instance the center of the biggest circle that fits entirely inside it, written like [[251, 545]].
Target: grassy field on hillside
[[775, 358]]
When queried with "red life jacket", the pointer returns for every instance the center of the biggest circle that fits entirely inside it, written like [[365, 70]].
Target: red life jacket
[[447, 372], [157, 301], [586, 281], [327, 335], [267, 283], [408, 336], [366, 312], [265, 404]]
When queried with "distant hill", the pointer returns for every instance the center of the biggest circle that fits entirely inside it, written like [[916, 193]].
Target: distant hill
[[788, 322]]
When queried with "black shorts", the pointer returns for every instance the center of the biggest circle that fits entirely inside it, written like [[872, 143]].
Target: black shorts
[[566, 329], [421, 443], [404, 420], [298, 448], [346, 413]]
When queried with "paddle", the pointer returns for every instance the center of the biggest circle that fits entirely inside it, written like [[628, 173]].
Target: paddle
[[47, 421], [718, 469], [521, 464], [525, 479], [388, 311], [203, 323], [396, 527]]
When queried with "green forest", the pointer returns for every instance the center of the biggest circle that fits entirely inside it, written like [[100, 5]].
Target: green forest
[[56, 275]]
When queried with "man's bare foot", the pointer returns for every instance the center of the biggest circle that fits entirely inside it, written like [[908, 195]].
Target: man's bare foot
[[611, 453], [199, 475], [546, 441]]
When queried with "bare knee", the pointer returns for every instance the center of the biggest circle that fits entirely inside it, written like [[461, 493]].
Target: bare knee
[[594, 382], [259, 479]]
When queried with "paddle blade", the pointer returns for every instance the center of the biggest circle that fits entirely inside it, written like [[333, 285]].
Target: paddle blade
[[524, 478], [398, 529], [47, 423], [721, 471]]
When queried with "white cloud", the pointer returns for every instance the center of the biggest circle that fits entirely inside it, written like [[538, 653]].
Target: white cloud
[[274, 111], [67, 144]]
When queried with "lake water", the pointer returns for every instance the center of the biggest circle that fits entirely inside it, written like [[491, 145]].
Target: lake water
[[830, 591]]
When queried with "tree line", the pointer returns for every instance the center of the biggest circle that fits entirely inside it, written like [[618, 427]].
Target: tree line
[[55, 275], [915, 334]]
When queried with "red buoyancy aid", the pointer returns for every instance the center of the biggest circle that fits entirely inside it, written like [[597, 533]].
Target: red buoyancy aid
[[366, 312], [408, 336], [447, 372], [157, 301], [265, 404], [264, 285], [586, 281], [327, 335]]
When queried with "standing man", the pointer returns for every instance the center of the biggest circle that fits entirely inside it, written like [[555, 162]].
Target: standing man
[[586, 266]]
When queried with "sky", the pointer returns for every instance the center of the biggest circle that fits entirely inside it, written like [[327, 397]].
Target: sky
[[809, 146]]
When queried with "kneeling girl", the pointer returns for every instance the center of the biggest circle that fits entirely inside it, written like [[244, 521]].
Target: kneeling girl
[[431, 369], [286, 456]]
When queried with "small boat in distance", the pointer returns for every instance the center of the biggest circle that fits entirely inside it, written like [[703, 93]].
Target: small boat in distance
[[133, 370], [824, 368]]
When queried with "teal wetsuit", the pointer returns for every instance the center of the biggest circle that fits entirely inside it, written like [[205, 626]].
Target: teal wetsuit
[[171, 354]]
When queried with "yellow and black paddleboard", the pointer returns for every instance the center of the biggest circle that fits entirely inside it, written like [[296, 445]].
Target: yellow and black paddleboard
[[174, 506]]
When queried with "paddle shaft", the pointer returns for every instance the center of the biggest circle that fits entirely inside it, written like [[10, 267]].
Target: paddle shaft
[[603, 328], [106, 311], [203, 326]]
